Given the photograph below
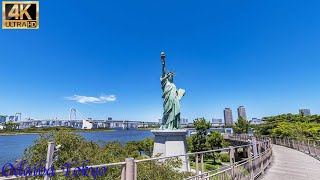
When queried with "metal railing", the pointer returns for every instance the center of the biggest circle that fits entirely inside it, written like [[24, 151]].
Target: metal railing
[[247, 162], [257, 158], [307, 146]]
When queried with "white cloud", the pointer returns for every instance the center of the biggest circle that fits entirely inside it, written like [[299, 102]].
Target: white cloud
[[88, 99]]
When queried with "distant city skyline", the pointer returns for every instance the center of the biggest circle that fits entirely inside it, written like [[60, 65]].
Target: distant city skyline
[[223, 53], [240, 109], [226, 113]]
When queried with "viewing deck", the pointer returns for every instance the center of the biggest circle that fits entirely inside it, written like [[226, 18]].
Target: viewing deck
[[290, 164]]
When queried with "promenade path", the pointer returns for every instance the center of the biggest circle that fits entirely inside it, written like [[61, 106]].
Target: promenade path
[[290, 164]]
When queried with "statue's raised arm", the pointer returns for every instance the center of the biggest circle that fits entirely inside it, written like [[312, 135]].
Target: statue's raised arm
[[163, 60]]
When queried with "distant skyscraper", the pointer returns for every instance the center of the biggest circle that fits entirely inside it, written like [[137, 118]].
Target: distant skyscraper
[[228, 120], [305, 112], [184, 121], [242, 112]]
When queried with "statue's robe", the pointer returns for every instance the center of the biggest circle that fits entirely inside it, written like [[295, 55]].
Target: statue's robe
[[171, 104]]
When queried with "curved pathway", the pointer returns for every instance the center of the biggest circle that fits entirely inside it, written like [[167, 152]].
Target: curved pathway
[[290, 164]]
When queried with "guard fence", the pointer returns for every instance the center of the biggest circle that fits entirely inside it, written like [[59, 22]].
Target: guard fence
[[308, 146], [246, 162]]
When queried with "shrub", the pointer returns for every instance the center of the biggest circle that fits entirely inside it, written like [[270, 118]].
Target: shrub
[[225, 157], [210, 167], [74, 148]]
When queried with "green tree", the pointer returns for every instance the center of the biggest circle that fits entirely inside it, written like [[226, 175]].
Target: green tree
[[146, 146], [242, 126], [75, 149], [291, 125], [215, 141], [189, 143], [199, 139]]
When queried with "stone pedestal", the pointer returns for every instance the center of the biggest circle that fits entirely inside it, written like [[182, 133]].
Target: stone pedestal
[[171, 143]]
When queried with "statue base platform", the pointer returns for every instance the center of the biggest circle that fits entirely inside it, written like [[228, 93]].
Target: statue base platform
[[171, 143]]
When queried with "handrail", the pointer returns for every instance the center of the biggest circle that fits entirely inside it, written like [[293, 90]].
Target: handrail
[[264, 152], [308, 146], [248, 168], [256, 158], [94, 166], [253, 164], [194, 153]]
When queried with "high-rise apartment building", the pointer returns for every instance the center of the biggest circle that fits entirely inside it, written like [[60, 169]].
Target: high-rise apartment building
[[228, 119], [242, 112]]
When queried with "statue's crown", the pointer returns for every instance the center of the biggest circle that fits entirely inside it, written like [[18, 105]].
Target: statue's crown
[[171, 73]]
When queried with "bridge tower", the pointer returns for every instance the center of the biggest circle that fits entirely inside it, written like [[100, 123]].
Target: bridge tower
[[85, 123], [18, 116]]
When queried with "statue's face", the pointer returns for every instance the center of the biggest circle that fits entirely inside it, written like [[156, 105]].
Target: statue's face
[[171, 78]]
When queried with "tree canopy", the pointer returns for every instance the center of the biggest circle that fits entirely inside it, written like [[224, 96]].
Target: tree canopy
[[242, 126], [75, 149], [291, 125], [203, 140], [199, 139]]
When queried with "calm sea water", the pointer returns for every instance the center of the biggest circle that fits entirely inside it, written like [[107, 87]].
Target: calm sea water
[[12, 147]]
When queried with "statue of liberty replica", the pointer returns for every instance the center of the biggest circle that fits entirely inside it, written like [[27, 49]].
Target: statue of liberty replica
[[171, 99], [170, 139]]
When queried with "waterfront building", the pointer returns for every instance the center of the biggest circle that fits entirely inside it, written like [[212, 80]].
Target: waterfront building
[[3, 119], [242, 112], [228, 119], [255, 121], [13, 118], [217, 122], [305, 112]]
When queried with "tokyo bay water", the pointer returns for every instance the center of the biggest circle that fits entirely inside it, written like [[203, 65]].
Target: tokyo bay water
[[13, 146]]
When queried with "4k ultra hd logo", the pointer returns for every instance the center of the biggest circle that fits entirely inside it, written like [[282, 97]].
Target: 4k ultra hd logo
[[20, 15]]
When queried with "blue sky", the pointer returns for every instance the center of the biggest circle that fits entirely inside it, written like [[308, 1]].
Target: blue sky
[[260, 54]]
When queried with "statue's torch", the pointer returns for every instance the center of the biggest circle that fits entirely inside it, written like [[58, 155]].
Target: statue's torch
[[163, 58]]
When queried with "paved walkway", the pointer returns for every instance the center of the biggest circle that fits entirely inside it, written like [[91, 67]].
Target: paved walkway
[[289, 164]]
